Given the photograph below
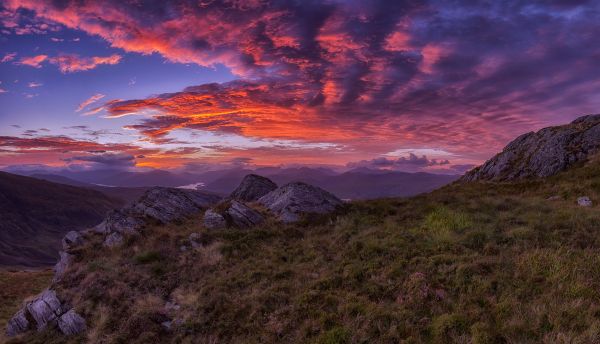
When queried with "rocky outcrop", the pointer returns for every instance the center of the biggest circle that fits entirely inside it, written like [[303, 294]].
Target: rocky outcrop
[[232, 214], [71, 240], [214, 220], [61, 266], [43, 311], [160, 204], [543, 153], [242, 216], [290, 201], [252, 188]]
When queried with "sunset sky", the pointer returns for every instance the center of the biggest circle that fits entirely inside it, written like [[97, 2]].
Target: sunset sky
[[418, 86]]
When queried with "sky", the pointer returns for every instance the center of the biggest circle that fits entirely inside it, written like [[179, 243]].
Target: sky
[[436, 86]]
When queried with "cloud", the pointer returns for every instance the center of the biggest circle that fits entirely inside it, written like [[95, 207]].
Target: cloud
[[89, 101], [76, 63], [33, 61], [54, 39], [105, 160], [34, 84], [8, 57], [410, 163], [366, 76], [3, 90]]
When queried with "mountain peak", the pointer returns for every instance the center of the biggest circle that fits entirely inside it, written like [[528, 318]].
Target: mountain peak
[[542, 153]]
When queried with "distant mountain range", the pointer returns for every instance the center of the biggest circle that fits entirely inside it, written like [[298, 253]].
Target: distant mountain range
[[35, 214], [360, 183]]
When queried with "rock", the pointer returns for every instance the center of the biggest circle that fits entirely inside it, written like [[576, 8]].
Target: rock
[[120, 221], [43, 311], [242, 216], [18, 324], [71, 323], [252, 188], [584, 201], [553, 198], [63, 263], [214, 220], [71, 240], [543, 153], [113, 239], [169, 204], [290, 201]]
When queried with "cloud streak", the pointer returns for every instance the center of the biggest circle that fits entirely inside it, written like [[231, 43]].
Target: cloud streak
[[89, 101]]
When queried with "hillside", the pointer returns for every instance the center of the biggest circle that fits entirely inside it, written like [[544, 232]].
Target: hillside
[[475, 262], [36, 214]]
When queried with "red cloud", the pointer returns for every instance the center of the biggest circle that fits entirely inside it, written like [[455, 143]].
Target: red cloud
[[75, 63], [89, 101], [33, 61]]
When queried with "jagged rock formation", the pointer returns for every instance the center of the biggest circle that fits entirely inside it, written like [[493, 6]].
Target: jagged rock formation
[[543, 153], [158, 204], [252, 188], [290, 201], [43, 311], [232, 213]]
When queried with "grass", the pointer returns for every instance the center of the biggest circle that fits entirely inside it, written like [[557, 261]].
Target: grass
[[469, 263]]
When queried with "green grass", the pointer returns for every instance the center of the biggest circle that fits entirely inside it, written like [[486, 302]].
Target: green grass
[[470, 263]]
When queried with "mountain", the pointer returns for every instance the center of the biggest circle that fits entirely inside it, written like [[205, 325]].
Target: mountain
[[514, 261], [543, 153], [125, 194], [35, 215], [355, 184]]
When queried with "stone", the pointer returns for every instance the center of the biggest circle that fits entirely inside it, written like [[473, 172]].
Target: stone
[[214, 220], [71, 323], [18, 324], [119, 221], [113, 239], [554, 198], [584, 201], [170, 204], [242, 216], [252, 188], [292, 200], [543, 153], [71, 240], [61, 266], [44, 309]]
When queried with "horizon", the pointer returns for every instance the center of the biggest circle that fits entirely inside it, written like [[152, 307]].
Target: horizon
[[433, 87]]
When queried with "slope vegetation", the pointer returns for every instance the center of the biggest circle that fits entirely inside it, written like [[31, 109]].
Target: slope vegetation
[[476, 262]]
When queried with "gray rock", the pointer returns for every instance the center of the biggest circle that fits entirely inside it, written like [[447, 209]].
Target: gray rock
[[44, 309], [18, 324], [169, 204], [554, 198], [242, 216], [584, 201], [71, 323], [543, 153], [120, 221], [113, 239], [290, 201], [61, 266], [71, 240], [214, 220], [252, 188]]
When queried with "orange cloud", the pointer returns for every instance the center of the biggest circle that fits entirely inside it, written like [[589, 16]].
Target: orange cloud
[[33, 61], [75, 63], [89, 101]]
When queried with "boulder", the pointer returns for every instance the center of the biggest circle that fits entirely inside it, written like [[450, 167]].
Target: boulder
[[61, 266], [120, 221], [71, 323], [543, 153], [43, 311], [242, 216], [252, 188], [290, 201], [214, 220], [71, 240], [584, 201], [113, 239], [169, 204]]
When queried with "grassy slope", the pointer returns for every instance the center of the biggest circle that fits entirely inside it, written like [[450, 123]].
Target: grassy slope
[[474, 263]]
